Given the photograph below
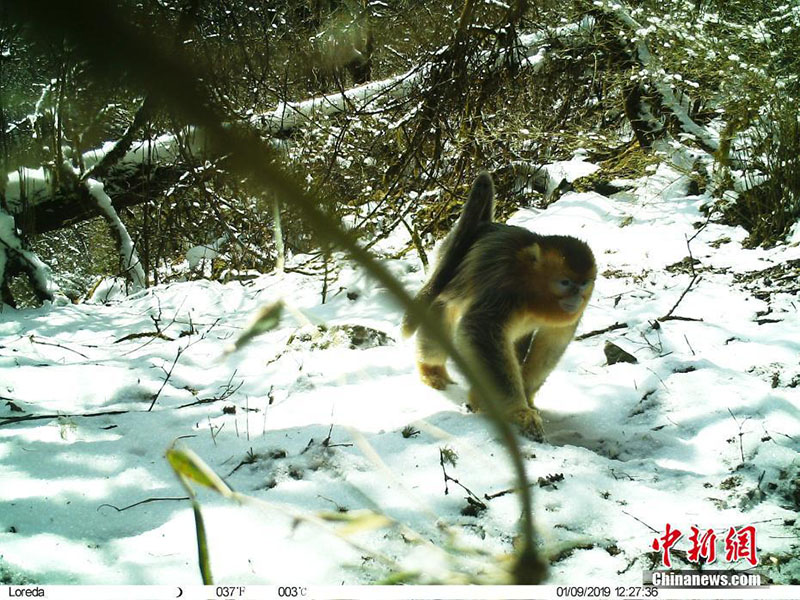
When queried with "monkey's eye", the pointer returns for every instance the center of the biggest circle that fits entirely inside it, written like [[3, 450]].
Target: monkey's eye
[[562, 286]]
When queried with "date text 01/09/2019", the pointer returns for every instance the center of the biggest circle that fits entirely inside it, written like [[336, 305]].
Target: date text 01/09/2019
[[605, 591]]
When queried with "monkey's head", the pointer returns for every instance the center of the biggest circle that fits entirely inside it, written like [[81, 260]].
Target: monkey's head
[[564, 275]]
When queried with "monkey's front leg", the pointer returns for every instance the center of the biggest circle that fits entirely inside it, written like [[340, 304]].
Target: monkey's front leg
[[484, 341], [546, 349]]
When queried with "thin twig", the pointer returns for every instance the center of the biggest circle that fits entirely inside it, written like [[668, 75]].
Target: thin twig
[[653, 529], [669, 316], [146, 501], [688, 287], [678, 318], [600, 331], [327, 441], [33, 340], [447, 479], [11, 420], [695, 275], [504, 492], [169, 374], [228, 390], [689, 344], [152, 334], [741, 433], [175, 362]]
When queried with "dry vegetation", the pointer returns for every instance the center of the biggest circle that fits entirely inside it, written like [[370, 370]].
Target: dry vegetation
[[405, 161]]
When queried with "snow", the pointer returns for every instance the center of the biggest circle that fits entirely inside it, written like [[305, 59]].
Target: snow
[[551, 176], [289, 115], [201, 257], [10, 241], [25, 184], [32, 185], [166, 147], [703, 430], [127, 249]]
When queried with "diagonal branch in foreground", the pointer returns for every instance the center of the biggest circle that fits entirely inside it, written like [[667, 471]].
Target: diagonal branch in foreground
[[105, 37]]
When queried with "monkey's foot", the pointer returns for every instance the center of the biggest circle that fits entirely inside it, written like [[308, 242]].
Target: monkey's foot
[[529, 422], [435, 376], [525, 417]]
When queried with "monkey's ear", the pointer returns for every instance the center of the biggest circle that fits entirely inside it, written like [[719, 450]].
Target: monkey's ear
[[533, 252]]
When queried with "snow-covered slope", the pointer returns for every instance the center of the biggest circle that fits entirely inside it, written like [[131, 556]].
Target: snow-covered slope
[[702, 431]]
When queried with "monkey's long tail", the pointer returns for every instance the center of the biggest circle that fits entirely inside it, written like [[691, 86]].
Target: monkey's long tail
[[478, 209]]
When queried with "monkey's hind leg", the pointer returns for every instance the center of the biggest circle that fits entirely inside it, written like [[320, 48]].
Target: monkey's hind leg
[[431, 358], [499, 358]]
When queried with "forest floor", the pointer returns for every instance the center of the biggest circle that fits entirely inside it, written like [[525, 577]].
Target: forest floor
[[325, 414]]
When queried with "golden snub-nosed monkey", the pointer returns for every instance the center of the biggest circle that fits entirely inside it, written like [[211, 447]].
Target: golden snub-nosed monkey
[[512, 300]]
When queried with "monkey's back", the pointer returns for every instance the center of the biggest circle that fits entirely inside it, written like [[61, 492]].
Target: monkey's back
[[494, 264]]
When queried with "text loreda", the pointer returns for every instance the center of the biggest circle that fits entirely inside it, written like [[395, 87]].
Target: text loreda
[[25, 592]]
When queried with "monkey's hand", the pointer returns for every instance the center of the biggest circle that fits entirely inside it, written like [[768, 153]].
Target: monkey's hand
[[529, 422], [435, 376]]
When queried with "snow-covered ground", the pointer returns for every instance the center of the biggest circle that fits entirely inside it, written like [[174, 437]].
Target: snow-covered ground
[[702, 431]]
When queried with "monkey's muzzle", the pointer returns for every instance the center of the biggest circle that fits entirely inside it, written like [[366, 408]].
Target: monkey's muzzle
[[572, 304]]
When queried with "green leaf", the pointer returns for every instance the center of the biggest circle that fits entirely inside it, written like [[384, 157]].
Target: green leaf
[[190, 466], [266, 319], [203, 558], [356, 521]]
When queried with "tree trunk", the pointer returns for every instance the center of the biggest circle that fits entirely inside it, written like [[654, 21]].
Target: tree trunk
[[66, 207]]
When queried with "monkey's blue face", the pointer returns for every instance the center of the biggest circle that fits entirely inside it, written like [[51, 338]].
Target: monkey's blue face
[[571, 294], [561, 289]]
